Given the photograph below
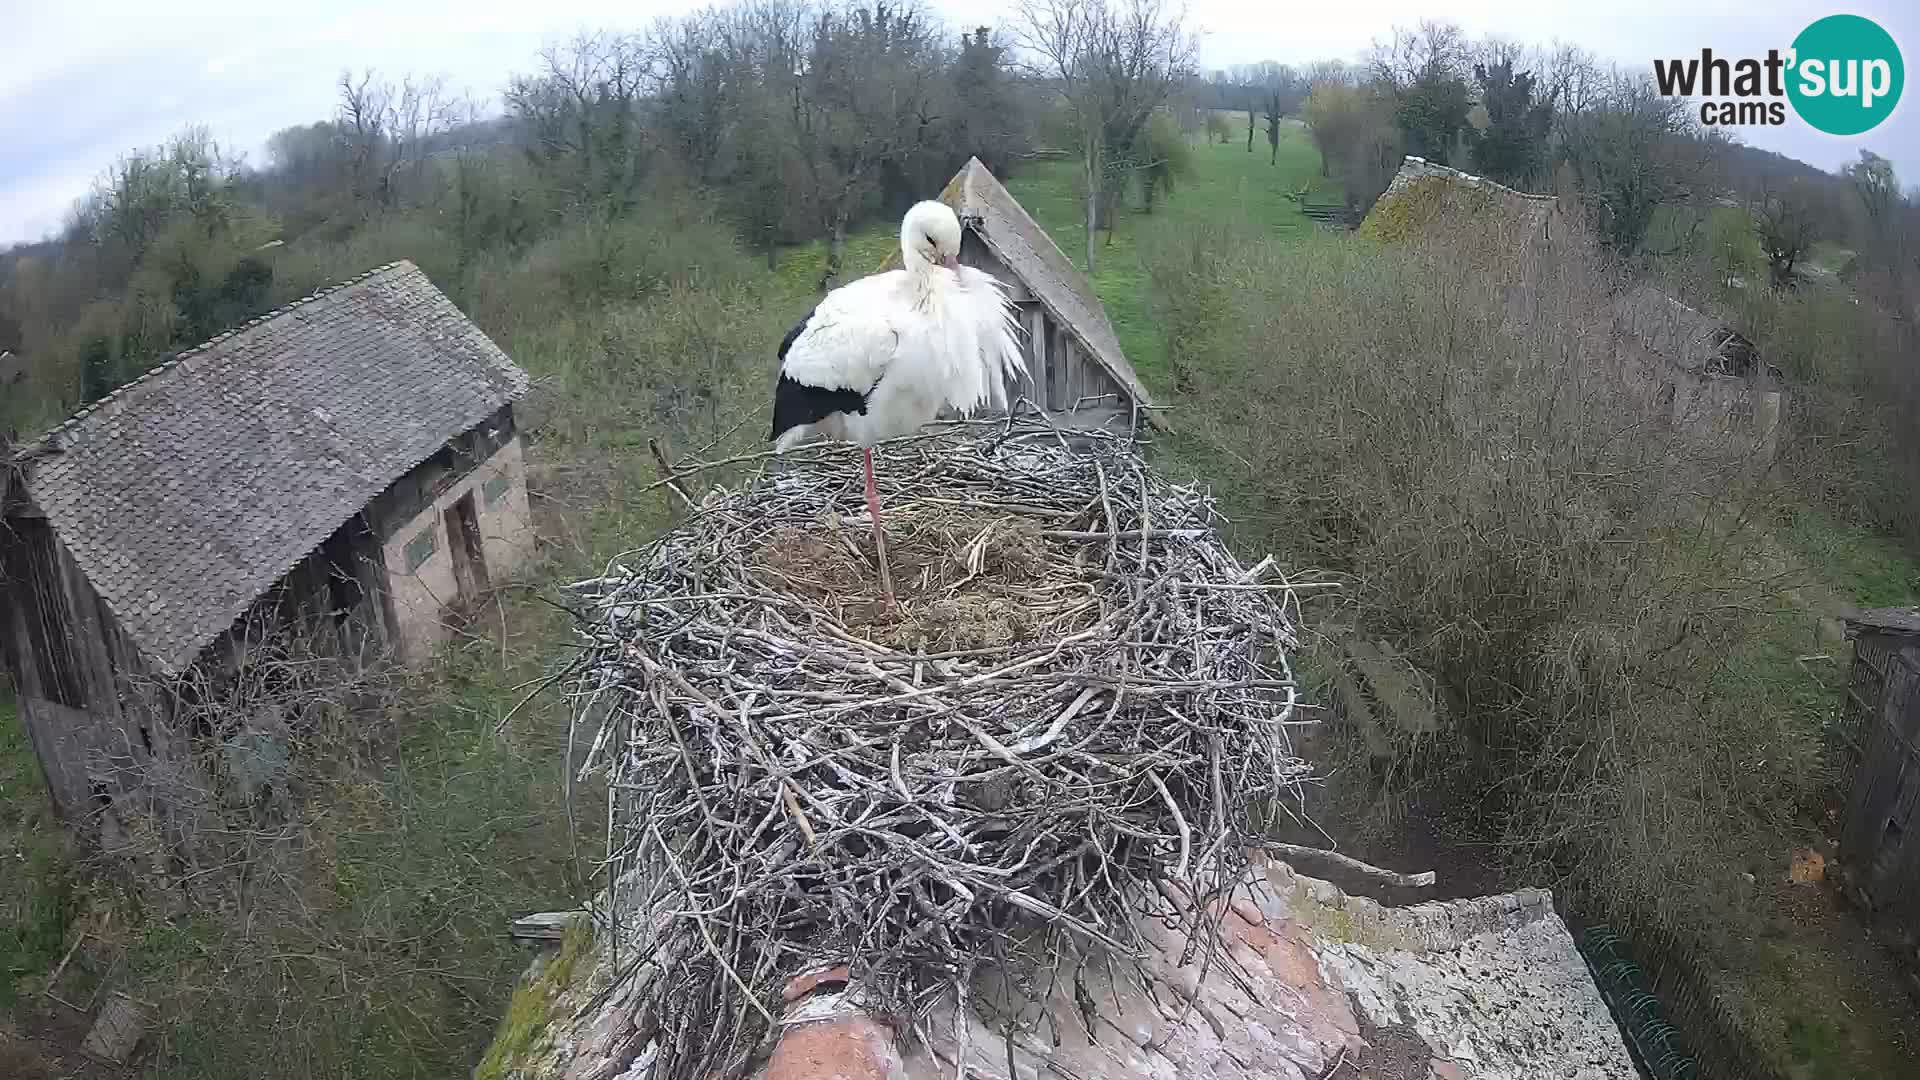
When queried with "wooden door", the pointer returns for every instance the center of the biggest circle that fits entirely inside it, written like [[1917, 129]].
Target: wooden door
[[469, 558]]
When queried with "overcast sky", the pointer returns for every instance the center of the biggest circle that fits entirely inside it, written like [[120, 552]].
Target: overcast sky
[[83, 81]]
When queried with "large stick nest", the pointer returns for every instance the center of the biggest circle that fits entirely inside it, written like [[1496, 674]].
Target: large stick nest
[[1082, 706]]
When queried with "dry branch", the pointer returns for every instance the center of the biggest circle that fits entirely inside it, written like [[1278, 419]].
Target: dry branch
[[1069, 712]]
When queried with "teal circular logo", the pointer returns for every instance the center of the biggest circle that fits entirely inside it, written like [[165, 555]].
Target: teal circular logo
[[1846, 75]]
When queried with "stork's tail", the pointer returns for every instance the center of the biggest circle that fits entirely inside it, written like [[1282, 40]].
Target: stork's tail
[[794, 436]]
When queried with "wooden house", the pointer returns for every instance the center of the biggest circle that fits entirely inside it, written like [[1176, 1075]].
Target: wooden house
[[1709, 375], [1704, 374], [1427, 199], [350, 456], [1878, 748], [1075, 367]]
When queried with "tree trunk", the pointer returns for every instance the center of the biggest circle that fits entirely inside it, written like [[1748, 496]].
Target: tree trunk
[[836, 249], [1093, 198], [1249, 131]]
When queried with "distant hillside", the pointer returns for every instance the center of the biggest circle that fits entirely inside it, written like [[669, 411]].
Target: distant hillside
[[1750, 169]]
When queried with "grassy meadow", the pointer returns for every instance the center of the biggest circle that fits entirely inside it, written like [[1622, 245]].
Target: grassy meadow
[[1362, 414]]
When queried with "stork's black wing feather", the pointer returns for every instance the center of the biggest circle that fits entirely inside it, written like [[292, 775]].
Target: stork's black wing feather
[[796, 403], [793, 335]]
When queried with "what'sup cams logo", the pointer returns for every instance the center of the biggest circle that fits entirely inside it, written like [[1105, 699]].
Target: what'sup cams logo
[[1843, 75]]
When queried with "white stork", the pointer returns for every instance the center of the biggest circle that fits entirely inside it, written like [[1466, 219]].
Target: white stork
[[881, 356]]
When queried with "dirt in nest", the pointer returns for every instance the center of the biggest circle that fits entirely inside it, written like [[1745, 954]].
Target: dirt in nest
[[963, 581]]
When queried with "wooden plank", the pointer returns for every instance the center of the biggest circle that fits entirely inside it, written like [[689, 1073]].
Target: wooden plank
[[1039, 330], [1034, 322], [545, 925], [974, 253], [1903, 694], [1890, 772], [1060, 351]]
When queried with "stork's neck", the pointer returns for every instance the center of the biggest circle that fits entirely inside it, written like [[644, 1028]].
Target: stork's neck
[[916, 263], [921, 274]]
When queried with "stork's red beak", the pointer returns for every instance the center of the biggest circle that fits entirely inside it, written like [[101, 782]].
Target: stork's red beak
[[950, 262]]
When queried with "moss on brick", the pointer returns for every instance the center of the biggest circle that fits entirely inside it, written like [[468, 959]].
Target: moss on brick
[[529, 1011]]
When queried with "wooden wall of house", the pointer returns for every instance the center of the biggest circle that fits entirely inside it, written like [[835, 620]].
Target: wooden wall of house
[[98, 720], [337, 587], [84, 698], [1880, 838], [1061, 376]]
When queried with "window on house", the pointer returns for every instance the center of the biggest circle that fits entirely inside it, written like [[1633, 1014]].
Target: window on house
[[421, 548], [494, 488]]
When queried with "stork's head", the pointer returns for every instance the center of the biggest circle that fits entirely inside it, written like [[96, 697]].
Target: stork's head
[[929, 236]]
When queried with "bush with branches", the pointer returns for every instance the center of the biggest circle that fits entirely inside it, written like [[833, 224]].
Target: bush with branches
[[1515, 512]]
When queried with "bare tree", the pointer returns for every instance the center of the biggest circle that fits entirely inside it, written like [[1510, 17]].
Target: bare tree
[[1268, 91], [1353, 128], [362, 123], [581, 116], [703, 76], [1432, 49], [1335, 72], [1283, 91], [861, 101], [1571, 79], [1786, 221], [387, 131], [1632, 150], [1115, 62], [423, 111]]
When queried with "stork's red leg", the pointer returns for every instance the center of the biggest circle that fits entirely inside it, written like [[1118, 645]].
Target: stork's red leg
[[879, 534]]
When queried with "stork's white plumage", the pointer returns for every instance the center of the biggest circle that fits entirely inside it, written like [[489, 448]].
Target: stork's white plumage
[[882, 356]]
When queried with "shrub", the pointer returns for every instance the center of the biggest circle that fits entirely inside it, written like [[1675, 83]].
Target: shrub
[[1511, 511], [317, 261], [1166, 156], [592, 261], [1852, 439]]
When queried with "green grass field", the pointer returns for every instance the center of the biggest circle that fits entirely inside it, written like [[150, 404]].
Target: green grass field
[[1227, 186], [37, 898]]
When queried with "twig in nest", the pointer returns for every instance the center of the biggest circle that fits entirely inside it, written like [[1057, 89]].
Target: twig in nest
[[786, 789], [667, 475]]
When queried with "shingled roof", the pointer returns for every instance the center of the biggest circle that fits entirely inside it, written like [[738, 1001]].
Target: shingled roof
[[188, 493], [1424, 193], [1691, 340], [1011, 234]]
